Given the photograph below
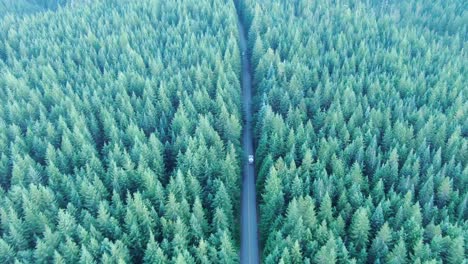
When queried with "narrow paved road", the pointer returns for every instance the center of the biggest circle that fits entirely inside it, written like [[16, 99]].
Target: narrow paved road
[[249, 228]]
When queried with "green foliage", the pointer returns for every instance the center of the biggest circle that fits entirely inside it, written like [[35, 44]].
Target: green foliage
[[24, 7], [361, 108], [359, 228], [119, 132]]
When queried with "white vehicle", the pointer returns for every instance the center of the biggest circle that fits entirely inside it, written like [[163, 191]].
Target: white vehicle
[[251, 159]]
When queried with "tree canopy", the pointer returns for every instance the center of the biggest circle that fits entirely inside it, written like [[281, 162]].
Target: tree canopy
[[121, 121], [361, 123], [120, 133]]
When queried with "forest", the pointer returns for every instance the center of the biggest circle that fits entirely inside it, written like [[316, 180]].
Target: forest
[[362, 130], [25, 7], [121, 130], [120, 143]]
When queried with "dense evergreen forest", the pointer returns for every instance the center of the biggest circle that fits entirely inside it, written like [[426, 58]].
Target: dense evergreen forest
[[119, 133], [121, 122], [361, 127], [24, 7]]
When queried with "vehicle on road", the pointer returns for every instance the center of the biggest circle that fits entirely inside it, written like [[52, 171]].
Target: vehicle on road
[[251, 159]]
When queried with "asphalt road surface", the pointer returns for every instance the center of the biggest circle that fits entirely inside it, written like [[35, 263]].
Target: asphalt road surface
[[249, 228]]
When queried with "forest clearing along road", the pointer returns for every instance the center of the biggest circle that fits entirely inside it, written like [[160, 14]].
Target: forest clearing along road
[[249, 223]]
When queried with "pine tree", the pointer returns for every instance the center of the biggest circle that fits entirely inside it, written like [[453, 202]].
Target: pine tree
[[398, 253], [201, 252], [7, 254], [359, 228], [273, 201], [227, 254], [377, 218], [85, 256], [325, 210], [198, 222], [327, 253], [456, 253]]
